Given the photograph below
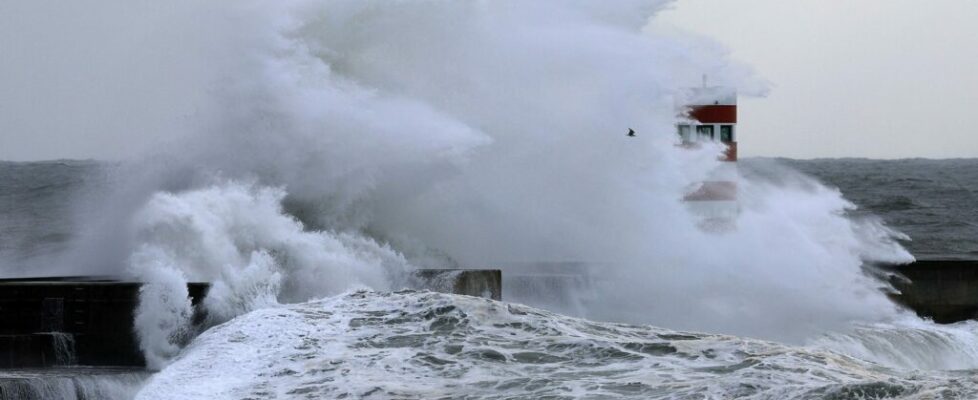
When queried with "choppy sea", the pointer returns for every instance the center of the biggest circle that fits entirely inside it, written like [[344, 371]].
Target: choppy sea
[[423, 345], [935, 202]]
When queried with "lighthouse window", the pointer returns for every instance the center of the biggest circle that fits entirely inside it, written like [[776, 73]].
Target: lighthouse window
[[704, 132], [684, 132], [726, 133]]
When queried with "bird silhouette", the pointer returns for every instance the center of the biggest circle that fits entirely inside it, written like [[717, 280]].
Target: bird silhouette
[[631, 132]]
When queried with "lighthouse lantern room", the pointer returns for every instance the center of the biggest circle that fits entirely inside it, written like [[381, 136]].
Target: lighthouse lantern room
[[710, 114]]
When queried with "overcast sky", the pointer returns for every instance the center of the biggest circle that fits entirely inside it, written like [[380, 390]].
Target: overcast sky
[[851, 78], [858, 78]]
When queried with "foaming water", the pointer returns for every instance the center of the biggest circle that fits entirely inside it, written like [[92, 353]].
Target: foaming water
[[417, 345], [71, 383], [64, 348], [236, 237], [909, 344]]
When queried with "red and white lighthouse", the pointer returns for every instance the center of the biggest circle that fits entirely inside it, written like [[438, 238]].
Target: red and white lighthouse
[[709, 114]]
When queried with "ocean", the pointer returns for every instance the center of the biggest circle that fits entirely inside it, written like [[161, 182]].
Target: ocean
[[405, 344], [934, 202]]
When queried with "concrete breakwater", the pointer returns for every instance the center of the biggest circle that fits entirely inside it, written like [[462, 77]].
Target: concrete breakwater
[[71, 383], [58, 321], [47, 322], [71, 321], [944, 290], [472, 282]]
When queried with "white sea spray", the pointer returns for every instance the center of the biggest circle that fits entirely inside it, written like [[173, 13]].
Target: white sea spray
[[236, 237]]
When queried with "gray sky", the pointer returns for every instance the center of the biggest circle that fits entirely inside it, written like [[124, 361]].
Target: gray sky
[[862, 78], [851, 78], [99, 79]]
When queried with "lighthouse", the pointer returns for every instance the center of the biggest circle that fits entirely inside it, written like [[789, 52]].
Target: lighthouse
[[709, 114]]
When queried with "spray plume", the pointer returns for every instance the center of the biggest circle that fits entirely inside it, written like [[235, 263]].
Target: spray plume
[[345, 142]]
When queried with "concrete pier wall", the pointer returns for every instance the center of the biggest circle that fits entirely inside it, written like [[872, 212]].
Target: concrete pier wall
[[39, 317], [943, 290], [55, 321], [486, 283], [93, 317]]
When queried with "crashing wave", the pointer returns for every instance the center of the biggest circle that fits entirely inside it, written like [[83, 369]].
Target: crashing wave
[[422, 345]]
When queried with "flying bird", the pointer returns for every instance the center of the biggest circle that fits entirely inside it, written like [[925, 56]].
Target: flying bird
[[631, 132]]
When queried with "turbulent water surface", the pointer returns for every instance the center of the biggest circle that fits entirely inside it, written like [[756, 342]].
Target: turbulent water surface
[[318, 151], [422, 345], [71, 383], [935, 202], [425, 345]]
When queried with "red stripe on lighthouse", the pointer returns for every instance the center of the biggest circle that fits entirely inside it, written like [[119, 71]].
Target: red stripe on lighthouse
[[714, 114]]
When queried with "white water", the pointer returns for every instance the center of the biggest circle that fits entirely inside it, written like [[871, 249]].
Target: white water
[[71, 383], [342, 143], [236, 237], [64, 348], [425, 345]]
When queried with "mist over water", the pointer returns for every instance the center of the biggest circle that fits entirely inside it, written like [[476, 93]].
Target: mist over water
[[344, 143]]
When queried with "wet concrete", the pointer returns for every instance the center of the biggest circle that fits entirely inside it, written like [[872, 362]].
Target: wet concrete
[[41, 318], [91, 317], [84, 320], [472, 282], [944, 290]]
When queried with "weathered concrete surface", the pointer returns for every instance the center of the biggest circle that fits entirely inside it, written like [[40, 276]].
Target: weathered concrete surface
[[92, 314], [943, 290], [486, 283]]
